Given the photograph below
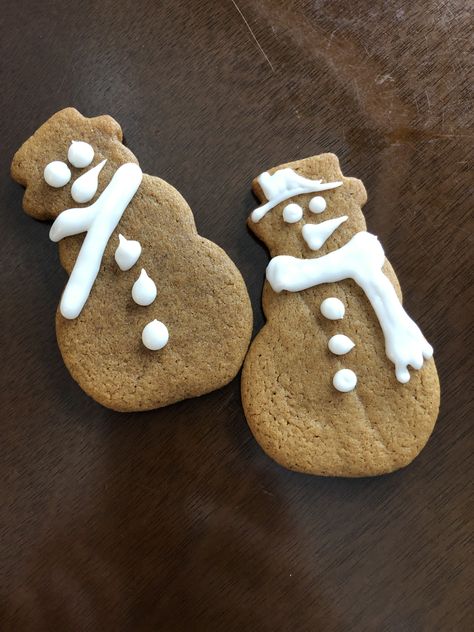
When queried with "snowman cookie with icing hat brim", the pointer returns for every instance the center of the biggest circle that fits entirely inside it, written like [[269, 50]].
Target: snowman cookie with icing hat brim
[[152, 313], [340, 381]]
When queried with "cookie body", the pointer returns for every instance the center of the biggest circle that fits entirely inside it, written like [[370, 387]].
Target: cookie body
[[200, 300], [319, 391]]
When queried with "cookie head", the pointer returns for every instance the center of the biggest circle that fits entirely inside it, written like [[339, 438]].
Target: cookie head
[[61, 151], [299, 195]]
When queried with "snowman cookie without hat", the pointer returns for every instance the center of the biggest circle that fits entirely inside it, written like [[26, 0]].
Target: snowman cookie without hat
[[152, 313]]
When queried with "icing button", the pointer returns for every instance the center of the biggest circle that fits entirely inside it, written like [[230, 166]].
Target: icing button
[[332, 308], [344, 380], [144, 290], [155, 335], [127, 253], [340, 344]]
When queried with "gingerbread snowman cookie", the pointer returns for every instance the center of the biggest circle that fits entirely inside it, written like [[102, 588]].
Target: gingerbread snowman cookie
[[340, 381], [152, 313]]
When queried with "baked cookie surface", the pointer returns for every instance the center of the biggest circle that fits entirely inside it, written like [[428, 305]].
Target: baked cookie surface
[[328, 385], [136, 340]]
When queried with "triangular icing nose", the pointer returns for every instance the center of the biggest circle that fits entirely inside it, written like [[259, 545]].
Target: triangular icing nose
[[85, 187]]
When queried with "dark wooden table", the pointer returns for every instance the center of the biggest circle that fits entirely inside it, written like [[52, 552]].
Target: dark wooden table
[[175, 519]]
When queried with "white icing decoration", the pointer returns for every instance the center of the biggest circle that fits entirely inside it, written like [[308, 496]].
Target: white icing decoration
[[340, 344], [80, 154], [332, 308], [144, 290], [361, 259], [317, 204], [315, 235], [344, 380], [292, 213], [85, 187], [155, 335], [99, 220], [127, 253], [57, 174], [284, 184]]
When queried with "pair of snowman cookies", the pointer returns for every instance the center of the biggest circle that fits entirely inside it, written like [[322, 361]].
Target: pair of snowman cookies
[[340, 381]]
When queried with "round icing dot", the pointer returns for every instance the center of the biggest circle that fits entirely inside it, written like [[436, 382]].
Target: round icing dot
[[332, 308], [127, 253], [317, 204], [344, 380], [340, 344], [57, 174], [144, 290], [85, 187], [80, 154], [155, 335], [292, 213]]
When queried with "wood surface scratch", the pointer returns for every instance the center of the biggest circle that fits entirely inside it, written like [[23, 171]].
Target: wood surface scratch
[[253, 35]]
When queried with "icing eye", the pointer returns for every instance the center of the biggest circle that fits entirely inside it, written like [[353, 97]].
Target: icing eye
[[292, 213], [57, 174], [80, 154], [85, 187], [317, 204]]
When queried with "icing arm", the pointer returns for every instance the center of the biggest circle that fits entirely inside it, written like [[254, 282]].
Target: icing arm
[[293, 274], [72, 222], [83, 276], [100, 221], [361, 259], [405, 345]]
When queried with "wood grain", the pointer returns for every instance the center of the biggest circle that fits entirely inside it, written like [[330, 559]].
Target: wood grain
[[175, 519]]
